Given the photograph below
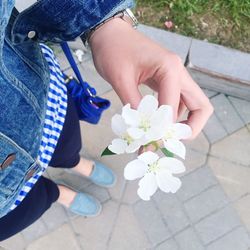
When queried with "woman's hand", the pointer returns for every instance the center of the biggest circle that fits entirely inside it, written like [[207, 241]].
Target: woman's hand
[[126, 58]]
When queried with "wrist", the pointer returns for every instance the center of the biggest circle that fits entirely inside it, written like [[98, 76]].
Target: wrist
[[125, 15], [108, 30]]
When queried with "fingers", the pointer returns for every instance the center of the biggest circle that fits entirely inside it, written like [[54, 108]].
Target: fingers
[[181, 109], [197, 120], [177, 88], [151, 147], [169, 92], [197, 103], [167, 77]]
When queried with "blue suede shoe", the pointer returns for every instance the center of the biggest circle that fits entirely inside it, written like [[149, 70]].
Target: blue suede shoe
[[102, 175], [83, 204]]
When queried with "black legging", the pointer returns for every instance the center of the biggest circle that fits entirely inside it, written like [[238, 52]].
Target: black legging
[[45, 191]]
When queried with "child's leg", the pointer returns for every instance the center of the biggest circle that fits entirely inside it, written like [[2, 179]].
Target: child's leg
[[37, 201]]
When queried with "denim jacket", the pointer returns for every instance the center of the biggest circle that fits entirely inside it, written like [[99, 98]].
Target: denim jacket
[[24, 78]]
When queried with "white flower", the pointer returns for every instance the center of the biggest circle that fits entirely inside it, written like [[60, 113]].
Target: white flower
[[155, 172], [125, 142], [172, 136], [148, 121]]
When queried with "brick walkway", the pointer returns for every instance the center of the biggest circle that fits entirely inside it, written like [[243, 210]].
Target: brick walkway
[[211, 210]]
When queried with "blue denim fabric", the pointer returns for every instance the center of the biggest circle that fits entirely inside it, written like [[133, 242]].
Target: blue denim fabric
[[24, 77], [65, 19]]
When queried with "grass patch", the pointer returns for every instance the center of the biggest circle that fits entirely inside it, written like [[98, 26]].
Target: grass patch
[[226, 22]]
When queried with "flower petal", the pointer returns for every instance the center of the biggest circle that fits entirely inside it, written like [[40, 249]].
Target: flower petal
[[135, 169], [176, 147], [171, 164], [131, 116], [166, 182], [155, 133], [134, 146], [118, 125], [148, 157], [135, 133], [163, 116], [118, 146], [148, 105], [182, 131], [147, 186]]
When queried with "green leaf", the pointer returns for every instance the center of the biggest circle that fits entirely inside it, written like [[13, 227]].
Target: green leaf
[[166, 152], [106, 151]]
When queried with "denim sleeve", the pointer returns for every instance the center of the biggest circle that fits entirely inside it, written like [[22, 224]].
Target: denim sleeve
[[6, 7], [64, 20]]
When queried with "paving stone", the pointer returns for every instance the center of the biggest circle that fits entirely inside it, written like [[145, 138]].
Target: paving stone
[[229, 76], [209, 93], [130, 193], [200, 144], [226, 113], [194, 159], [205, 203], [78, 44], [188, 240], [116, 104], [235, 66], [151, 221], [15, 242], [242, 108], [55, 173], [217, 224], [99, 192], [63, 62], [168, 245], [216, 82], [145, 90], [237, 239], [95, 143], [93, 136], [235, 147], [90, 75], [93, 233], [118, 163], [242, 207], [127, 233], [74, 180], [233, 178], [196, 182], [61, 239], [172, 211], [213, 130], [34, 231], [177, 43], [70, 214], [74, 45], [55, 216]]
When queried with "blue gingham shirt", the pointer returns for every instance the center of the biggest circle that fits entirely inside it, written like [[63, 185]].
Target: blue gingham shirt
[[54, 120]]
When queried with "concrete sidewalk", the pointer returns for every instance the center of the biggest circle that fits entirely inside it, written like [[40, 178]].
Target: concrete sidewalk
[[210, 211]]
